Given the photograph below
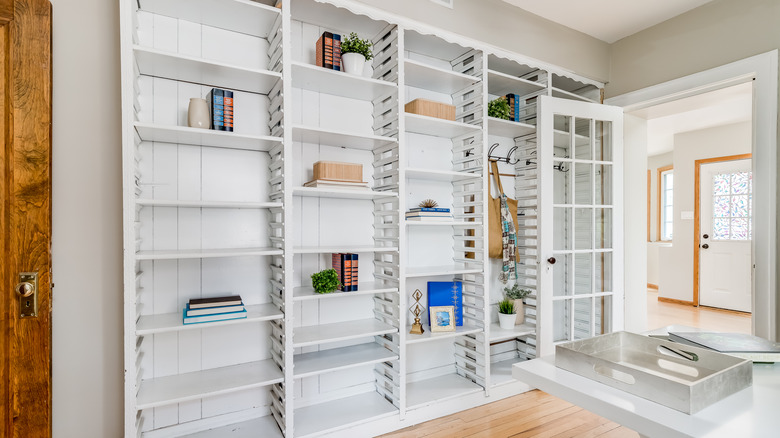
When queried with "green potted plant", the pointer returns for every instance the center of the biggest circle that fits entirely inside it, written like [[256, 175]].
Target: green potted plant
[[354, 54], [518, 295], [506, 314], [499, 108], [325, 282]]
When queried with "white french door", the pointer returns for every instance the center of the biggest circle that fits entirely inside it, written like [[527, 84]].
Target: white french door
[[726, 216], [580, 146]]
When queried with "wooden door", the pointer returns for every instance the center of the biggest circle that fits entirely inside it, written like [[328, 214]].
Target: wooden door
[[25, 215]]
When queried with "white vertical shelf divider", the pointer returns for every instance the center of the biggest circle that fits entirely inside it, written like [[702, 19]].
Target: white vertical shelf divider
[[485, 223], [404, 301]]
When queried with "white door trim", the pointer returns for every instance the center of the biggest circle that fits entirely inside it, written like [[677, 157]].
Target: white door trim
[[762, 70]]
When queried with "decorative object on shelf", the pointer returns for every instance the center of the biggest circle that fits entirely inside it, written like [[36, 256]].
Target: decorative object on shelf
[[198, 113], [428, 203], [354, 54], [430, 108], [199, 310], [338, 171], [221, 109], [443, 293], [325, 281], [328, 51], [499, 108], [506, 314], [517, 294], [346, 265], [442, 318], [417, 309], [502, 221], [428, 211]]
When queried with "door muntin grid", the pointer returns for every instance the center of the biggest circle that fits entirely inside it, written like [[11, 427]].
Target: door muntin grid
[[732, 206]]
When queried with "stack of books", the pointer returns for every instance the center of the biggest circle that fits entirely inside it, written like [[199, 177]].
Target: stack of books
[[424, 214], [346, 265], [328, 51], [221, 109], [199, 310]]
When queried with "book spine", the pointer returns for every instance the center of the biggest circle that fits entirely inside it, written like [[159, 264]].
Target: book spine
[[336, 52], [342, 271], [517, 108], [228, 110], [347, 273], [435, 210], [319, 50], [354, 287], [216, 98], [335, 259]]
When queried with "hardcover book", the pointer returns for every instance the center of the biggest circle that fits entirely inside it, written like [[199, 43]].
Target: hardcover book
[[212, 310], [324, 51], [429, 209], [446, 293], [347, 264], [354, 277], [212, 318], [199, 303], [216, 99], [228, 108], [336, 52]]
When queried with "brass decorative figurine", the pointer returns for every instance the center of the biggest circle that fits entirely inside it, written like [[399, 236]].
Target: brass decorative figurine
[[416, 310]]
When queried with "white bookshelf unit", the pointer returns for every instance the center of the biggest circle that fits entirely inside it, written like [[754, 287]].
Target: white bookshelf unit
[[210, 213]]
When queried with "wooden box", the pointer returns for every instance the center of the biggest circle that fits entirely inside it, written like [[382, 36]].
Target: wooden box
[[337, 171], [430, 108]]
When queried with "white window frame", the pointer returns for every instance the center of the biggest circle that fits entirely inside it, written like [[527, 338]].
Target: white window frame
[[664, 237]]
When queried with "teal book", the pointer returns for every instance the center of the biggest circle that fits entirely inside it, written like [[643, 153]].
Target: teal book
[[211, 318], [446, 293]]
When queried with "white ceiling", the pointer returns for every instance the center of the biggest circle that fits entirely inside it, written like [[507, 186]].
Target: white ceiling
[[721, 107], [608, 20]]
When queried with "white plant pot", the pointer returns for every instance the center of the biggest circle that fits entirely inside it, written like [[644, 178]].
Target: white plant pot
[[506, 320], [520, 312], [353, 63], [198, 113]]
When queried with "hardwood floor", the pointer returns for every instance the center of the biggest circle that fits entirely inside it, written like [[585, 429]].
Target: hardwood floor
[[532, 414], [660, 314]]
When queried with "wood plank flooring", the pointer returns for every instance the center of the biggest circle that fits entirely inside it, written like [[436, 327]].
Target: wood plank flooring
[[660, 314], [532, 414]]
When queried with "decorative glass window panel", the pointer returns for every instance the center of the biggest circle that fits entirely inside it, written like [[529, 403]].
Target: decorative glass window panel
[[732, 206]]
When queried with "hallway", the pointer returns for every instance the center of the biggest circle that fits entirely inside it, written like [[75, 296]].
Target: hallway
[[661, 314]]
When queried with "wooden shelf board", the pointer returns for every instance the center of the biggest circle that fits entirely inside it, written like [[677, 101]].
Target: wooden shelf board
[[501, 372], [331, 137], [172, 322], [205, 253], [263, 426], [206, 204], [367, 288], [501, 84], [205, 137], [499, 334], [157, 63], [242, 16], [425, 125], [179, 388], [434, 271], [437, 389], [316, 192], [439, 175], [428, 335], [345, 248], [336, 359], [505, 128], [421, 75], [341, 413], [339, 331], [312, 78]]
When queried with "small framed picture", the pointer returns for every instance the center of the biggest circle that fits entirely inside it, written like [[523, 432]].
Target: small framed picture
[[443, 318]]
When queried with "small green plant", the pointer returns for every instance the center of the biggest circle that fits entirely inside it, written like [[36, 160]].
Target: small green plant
[[515, 293], [499, 108], [506, 306], [353, 44], [325, 282]]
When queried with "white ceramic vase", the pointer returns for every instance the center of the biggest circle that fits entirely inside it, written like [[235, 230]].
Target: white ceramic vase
[[506, 320], [198, 113], [353, 63], [520, 312]]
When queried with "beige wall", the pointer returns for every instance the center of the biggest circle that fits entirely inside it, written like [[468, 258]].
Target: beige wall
[[676, 263], [653, 163], [717, 33], [511, 28]]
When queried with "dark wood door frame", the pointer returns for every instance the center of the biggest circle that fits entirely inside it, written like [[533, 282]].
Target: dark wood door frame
[[25, 215], [697, 214]]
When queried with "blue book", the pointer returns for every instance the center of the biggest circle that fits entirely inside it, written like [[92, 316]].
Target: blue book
[[436, 210], [446, 293], [336, 52], [211, 318], [216, 99]]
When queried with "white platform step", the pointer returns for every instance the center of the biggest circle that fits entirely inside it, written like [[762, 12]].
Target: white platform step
[[339, 331], [337, 414], [172, 322], [179, 388], [319, 362], [438, 389]]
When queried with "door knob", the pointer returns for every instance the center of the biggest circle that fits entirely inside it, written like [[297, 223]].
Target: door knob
[[25, 289], [705, 246], [706, 236], [551, 260]]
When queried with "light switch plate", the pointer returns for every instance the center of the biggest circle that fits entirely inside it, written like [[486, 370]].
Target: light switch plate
[[686, 215]]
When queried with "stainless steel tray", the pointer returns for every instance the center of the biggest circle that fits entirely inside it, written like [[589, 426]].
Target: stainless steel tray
[[677, 376]]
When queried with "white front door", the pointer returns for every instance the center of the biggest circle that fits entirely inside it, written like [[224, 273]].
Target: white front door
[[580, 146], [726, 210]]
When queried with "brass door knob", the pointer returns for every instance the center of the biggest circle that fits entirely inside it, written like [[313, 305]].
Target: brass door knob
[[25, 289]]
